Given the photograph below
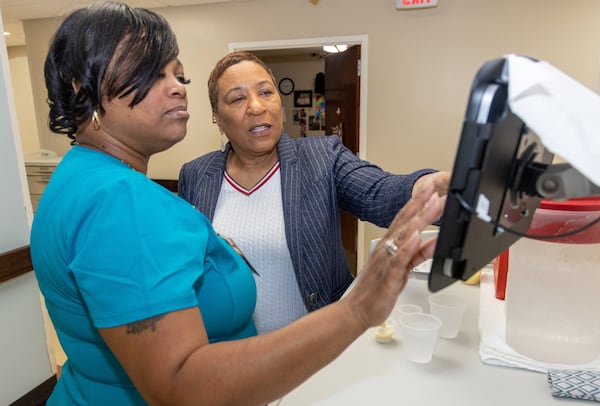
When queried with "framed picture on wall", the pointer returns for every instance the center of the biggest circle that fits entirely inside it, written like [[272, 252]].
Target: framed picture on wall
[[299, 116], [303, 98], [314, 123]]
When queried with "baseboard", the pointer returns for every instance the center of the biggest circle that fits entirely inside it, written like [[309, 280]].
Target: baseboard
[[38, 395]]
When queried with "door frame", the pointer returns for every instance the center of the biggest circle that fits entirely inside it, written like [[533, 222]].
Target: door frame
[[363, 41]]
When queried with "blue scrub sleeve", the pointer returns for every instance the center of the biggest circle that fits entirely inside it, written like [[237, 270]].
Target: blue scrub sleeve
[[138, 254]]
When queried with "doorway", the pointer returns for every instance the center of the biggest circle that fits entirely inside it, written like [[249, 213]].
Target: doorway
[[342, 96], [358, 257]]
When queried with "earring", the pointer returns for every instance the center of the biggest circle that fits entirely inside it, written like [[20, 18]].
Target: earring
[[223, 136], [95, 120], [223, 141]]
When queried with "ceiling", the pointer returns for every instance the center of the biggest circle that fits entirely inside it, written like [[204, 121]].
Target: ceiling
[[16, 11]]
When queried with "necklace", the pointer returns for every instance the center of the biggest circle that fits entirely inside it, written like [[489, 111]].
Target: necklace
[[104, 151]]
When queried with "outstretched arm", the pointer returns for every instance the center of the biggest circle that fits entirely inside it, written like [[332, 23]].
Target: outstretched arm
[[170, 360]]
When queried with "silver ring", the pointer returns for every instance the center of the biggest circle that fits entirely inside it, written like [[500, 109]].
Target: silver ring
[[391, 247]]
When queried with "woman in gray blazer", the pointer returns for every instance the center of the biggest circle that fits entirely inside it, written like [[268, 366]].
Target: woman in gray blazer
[[279, 198]]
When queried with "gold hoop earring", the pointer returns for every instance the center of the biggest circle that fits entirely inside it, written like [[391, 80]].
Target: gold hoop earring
[[95, 120]]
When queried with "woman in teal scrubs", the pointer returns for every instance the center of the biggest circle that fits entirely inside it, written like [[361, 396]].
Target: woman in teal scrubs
[[149, 303]]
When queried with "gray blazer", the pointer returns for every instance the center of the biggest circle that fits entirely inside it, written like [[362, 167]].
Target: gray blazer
[[319, 176]]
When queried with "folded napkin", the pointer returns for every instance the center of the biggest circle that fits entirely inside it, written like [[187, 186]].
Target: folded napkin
[[493, 347], [575, 384]]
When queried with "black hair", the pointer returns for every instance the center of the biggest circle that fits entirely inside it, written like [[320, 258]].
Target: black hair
[[107, 49]]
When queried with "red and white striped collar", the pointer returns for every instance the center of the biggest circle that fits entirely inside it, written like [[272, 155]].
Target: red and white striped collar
[[258, 185]]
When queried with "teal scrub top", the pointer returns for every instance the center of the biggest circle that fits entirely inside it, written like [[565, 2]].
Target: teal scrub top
[[110, 247]]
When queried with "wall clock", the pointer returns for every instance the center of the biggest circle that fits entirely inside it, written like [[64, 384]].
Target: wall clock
[[286, 86]]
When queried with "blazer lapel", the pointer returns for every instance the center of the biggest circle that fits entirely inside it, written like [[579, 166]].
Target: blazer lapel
[[212, 180], [291, 189]]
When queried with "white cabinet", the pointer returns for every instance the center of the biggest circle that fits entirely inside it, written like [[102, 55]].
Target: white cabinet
[[38, 176]]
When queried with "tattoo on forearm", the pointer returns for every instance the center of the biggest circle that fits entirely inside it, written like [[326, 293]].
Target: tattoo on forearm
[[139, 326]]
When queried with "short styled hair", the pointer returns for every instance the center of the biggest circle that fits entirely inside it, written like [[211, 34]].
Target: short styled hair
[[105, 50], [232, 58]]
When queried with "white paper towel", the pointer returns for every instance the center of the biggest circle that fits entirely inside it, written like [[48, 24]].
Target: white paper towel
[[562, 112]]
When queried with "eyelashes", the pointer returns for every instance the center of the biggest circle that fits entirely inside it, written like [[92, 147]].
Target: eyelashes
[[181, 79]]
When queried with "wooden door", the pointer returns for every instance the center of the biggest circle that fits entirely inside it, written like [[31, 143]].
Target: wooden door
[[342, 108]]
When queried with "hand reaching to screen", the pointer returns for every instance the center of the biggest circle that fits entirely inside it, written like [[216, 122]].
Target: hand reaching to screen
[[386, 272]]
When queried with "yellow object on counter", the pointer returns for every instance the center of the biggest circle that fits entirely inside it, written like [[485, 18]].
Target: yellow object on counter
[[474, 279], [384, 333]]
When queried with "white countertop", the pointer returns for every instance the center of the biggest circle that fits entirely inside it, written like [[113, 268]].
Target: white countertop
[[42, 157], [368, 373]]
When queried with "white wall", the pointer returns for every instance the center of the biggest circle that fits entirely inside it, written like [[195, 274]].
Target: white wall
[[24, 356], [23, 95]]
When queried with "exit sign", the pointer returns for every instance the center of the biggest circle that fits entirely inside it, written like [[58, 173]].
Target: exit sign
[[410, 4]]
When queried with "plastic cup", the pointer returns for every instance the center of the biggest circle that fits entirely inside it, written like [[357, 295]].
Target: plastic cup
[[419, 336], [449, 309], [403, 309]]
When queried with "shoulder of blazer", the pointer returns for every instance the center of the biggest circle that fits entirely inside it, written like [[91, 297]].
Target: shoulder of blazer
[[196, 171], [202, 178], [208, 164], [310, 147]]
